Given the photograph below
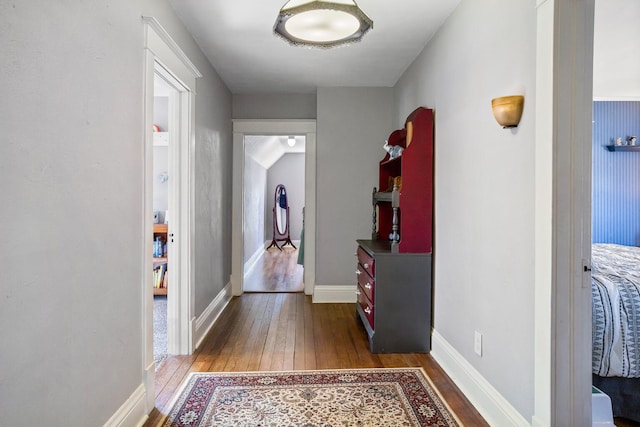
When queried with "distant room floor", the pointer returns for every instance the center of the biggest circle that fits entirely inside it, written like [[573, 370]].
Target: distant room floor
[[276, 271], [159, 329]]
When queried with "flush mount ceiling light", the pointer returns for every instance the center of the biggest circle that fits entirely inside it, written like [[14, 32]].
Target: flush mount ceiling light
[[322, 23]]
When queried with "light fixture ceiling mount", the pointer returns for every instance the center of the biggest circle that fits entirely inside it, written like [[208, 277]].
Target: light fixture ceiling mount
[[322, 23]]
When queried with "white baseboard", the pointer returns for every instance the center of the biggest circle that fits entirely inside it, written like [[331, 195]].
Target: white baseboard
[[537, 422], [150, 386], [335, 294], [495, 409], [207, 319], [132, 412], [251, 262]]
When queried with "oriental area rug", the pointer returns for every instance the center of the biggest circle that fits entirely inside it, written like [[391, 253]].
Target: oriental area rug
[[336, 398]]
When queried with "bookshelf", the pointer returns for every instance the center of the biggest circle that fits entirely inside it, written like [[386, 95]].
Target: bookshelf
[[160, 276]]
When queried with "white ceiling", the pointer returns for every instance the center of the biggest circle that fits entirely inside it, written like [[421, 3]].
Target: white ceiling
[[237, 37], [266, 150]]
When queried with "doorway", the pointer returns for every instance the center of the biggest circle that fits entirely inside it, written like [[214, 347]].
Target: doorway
[[162, 265], [165, 61], [562, 300], [298, 128], [273, 220], [174, 177]]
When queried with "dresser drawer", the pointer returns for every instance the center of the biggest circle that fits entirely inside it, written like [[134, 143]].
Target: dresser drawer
[[366, 261], [365, 305], [366, 283]]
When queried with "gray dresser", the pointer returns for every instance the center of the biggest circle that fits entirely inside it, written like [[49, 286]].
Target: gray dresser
[[394, 298]]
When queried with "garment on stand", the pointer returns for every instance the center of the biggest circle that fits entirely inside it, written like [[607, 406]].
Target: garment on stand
[[301, 249], [283, 199]]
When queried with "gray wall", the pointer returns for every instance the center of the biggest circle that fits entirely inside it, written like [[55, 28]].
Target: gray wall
[[616, 51], [72, 184], [161, 112], [484, 187], [352, 126], [274, 106], [288, 171], [255, 188], [213, 178], [160, 158], [160, 187]]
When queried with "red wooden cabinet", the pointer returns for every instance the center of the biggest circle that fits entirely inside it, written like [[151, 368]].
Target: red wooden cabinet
[[414, 214]]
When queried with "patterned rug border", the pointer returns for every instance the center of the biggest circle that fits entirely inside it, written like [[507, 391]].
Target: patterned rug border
[[187, 382]]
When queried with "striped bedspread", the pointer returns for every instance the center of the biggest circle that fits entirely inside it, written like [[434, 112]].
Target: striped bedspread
[[615, 286]]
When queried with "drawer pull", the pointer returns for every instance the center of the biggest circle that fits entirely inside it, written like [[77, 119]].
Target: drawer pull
[[357, 291], [367, 310], [368, 285], [358, 272], [366, 265]]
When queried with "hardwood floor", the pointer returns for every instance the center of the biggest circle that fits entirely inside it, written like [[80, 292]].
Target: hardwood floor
[[276, 271], [286, 331], [623, 422]]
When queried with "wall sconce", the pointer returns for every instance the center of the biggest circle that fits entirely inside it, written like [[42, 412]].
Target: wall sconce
[[508, 110]]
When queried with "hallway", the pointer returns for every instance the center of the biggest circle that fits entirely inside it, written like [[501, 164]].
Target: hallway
[[286, 331]]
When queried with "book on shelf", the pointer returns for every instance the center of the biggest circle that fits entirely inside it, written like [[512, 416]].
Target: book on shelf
[[159, 274]]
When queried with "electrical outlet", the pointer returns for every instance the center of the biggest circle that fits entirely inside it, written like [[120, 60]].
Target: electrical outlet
[[477, 343]]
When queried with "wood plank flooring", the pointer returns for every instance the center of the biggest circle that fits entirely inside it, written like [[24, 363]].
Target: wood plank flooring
[[623, 422], [286, 331], [276, 271]]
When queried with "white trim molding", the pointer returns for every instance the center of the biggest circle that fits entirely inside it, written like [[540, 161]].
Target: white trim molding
[[543, 214], [251, 262], [242, 127], [132, 413], [334, 294], [617, 98], [564, 103], [167, 40], [494, 408], [163, 57], [208, 318]]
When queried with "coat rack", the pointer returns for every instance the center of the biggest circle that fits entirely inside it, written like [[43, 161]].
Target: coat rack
[[280, 219]]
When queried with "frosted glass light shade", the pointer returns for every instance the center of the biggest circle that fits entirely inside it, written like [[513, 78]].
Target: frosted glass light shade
[[322, 23]]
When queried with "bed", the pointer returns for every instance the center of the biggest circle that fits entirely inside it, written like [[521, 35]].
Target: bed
[[615, 286]]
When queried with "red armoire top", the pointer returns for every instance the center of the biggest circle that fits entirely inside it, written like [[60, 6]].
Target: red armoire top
[[415, 167]]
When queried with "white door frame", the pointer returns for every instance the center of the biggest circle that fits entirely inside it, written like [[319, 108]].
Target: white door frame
[[164, 57], [564, 83], [178, 331], [273, 127]]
